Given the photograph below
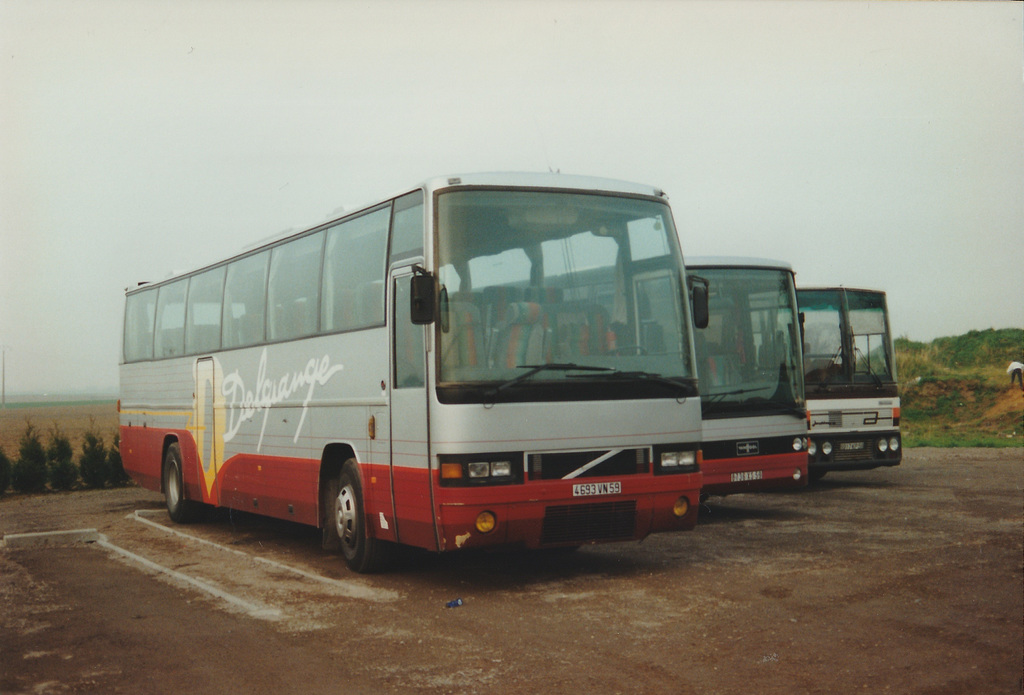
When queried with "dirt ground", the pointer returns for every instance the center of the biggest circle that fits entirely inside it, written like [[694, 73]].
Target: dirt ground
[[904, 580]]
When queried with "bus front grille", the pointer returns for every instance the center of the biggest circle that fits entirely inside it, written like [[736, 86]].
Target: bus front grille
[[582, 523]]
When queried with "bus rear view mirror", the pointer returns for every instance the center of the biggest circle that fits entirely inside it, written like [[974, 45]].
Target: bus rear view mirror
[[421, 294], [699, 295]]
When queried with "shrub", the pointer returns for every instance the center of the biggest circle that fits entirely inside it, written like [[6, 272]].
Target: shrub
[[59, 454], [93, 462], [29, 472], [5, 471], [115, 466]]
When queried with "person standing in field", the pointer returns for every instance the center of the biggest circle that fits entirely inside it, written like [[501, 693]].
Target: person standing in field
[[1016, 372]]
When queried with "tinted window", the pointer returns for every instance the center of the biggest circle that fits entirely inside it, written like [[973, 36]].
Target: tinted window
[[353, 285], [293, 292], [245, 294], [202, 332], [407, 227], [140, 310], [170, 320]]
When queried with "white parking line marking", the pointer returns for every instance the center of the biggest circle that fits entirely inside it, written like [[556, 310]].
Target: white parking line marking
[[253, 609], [351, 589]]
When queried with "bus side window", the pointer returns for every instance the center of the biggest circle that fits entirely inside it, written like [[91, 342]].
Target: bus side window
[[202, 331], [245, 294], [140, 312], [408, 347], [293, 292], [407, 227], [170, 320], [353, 292]]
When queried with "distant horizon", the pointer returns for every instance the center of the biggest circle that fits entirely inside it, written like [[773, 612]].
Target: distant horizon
[[16, 398]]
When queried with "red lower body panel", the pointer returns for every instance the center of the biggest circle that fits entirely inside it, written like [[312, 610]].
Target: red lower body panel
[[531, 514], [754, 473]]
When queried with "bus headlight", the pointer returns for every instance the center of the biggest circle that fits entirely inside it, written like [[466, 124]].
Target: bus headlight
[[812, 447], [798, 444], [501, 469], [479, 469], [678, 459], [826, 448], [894, 444], [883, 445]]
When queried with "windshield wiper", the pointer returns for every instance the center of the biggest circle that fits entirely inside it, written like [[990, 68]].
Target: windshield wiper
[[874, 377], [715, 397], [680, 386], [532, 369]]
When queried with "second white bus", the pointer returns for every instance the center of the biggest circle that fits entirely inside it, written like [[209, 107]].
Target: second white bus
[[751, 381]]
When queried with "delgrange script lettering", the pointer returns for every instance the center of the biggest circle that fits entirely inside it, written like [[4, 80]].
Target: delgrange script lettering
[[243, 405]]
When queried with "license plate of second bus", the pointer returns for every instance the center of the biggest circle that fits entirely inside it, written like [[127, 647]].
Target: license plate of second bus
[[590, 489], [851, 446], [744, 476]]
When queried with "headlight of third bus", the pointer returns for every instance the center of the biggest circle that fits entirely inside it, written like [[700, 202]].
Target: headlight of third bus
[[894, 444], [883, 445]]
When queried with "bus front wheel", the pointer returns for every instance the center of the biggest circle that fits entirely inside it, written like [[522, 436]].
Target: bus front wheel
[[345, 525], [181, 510]]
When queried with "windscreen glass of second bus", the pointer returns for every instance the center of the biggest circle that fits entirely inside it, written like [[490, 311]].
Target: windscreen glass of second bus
[[530, 278], [748, 354]]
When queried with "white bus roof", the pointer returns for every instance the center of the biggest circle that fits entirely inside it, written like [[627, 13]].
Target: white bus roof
[[734, 262], [839, 287], [542, 180]]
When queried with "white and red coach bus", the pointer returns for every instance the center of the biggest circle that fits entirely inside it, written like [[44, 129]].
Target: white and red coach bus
[[751, 377], [484, 360]]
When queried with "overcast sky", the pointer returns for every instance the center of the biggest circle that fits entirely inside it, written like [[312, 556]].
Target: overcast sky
[[868, 144]]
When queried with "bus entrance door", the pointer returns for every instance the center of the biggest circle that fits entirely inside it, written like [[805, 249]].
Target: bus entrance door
[[207, 410], [410, 446]]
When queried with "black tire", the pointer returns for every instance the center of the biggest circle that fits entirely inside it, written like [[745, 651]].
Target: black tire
[[345, 523], [181, 510]]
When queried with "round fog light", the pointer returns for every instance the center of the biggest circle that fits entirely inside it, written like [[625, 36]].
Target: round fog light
[[485, 522], [681, 507], [797, 474]]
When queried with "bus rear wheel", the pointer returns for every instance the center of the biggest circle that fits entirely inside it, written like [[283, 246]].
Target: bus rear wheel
[[181, 510], [345, 524]]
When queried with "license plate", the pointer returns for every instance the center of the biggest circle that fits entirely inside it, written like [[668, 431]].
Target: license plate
[[851, 446], [590, 489], [744, 476]]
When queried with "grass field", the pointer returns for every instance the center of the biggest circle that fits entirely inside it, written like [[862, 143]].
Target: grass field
[[72, 418]]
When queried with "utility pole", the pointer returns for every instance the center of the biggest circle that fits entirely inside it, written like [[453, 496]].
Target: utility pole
[[3, 377]]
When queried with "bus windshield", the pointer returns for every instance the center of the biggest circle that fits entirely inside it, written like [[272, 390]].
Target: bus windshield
[[748, 355], [869, 335], [864, 356], [559, 296]]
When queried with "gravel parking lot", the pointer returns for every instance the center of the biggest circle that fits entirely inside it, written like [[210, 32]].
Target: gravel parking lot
[[904, 580]]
